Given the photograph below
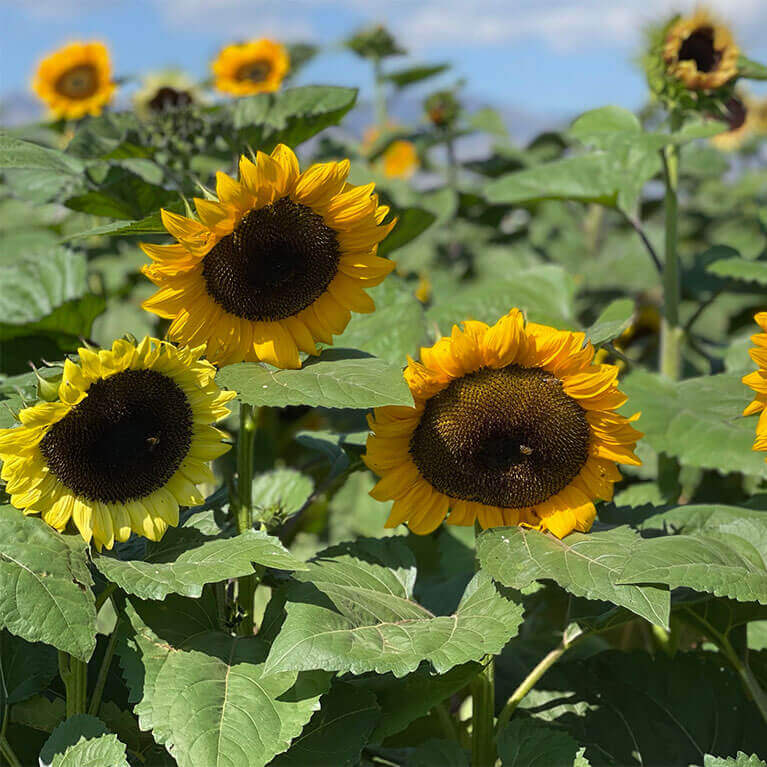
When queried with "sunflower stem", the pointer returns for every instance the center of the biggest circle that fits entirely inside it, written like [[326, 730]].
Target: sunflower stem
[[452, 160], [483, 753], [5, 746], [74, 674], [101, 679], [568, 640], [246, 586], [380, 94]]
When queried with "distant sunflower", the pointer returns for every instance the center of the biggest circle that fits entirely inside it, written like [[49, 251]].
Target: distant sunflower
[[277, 265], [76, 80], [168, 89], [258, 66], [399, 159], [700, 52], [513, 425], [758, 382], [740, 120], [123, 446]]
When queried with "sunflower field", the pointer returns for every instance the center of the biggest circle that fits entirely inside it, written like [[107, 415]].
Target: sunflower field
[[330, 449]]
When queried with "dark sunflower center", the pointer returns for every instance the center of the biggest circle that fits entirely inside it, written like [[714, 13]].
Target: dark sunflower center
[[79, 82], [122, 442], [169, 98], [278, 261], [256, 71], [699, 47], [508, 437]]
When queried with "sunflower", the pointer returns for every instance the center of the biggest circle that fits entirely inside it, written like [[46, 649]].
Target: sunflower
[[275, 266], [513, 425], [758, 382], [700, 52], [258, 66], [739, 117], [169, 89], [76, 80], [399, 159], [124, 444]]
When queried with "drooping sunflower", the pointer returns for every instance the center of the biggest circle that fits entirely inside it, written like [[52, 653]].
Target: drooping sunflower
[[123, 446], [76, 80], [513, 425], [258, 66], [701, 52], [758, 382], [273, 267], [169, 89], [740, 120]]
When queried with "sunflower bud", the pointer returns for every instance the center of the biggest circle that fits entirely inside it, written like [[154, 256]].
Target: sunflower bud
[[442, 109], [374, 43]]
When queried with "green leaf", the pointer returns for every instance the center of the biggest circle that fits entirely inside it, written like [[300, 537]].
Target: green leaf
[[527, 743], [697, 421], [39, 713], [47, 296], [587, 565], [432, 752], [45, 593], [395, 329], [15, 153], [83, 741], [205, 694], [25, 669], [729, 561], [635, 708], [354, 611], [151, 224], [411, 222], [339, 378], [404, 77], [596, 125], [283, 490], [186, 560], [751, 70], [404, 700], [740, 760], [546, 293], [291, 116], [740, 269], [614, 319], [337, 732]]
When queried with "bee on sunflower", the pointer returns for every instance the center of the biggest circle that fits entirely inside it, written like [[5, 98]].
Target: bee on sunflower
[[258, 66], [512, 425], [277, 264], [75, 80], [122, 446]]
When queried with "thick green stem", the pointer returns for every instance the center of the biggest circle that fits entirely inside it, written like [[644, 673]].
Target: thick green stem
[[671, 331], [246, 586], [483, 752], [380, 95], [101, 679], [568, 640], [74, 674], [5, 747], [452, 160]]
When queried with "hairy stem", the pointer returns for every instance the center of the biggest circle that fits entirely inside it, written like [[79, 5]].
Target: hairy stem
[[74, 674], [483, 752]]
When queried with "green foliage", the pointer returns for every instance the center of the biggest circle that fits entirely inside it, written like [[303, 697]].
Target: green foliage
[[528, 743], [83, 741]]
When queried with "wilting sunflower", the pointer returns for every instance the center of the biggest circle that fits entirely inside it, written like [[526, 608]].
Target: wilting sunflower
[[513, 425], [123, 446], [76, 80], [740, 121], [276, 265], [258, 66], [758, 382], [700, 52], [169, 89]]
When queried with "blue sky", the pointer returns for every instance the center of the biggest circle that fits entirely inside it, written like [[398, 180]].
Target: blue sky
[[545, 57]]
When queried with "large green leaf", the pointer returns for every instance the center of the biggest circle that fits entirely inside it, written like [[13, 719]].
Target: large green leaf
[[739, 760], [740, 269], [291, 116], [187, 560], [282, 490], [83, 741], [354, 611], [205, 694], [395, 329], [613, 320], [45, 593], [433, 752], [586, 565], [728, 561], [339, 378], [15, 153], [545, 293], [336, 734], [411, 222], [151, 224], [47, 295], [655, 711], [25, 668], [404, 77], [527, 743], [698, 420]]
